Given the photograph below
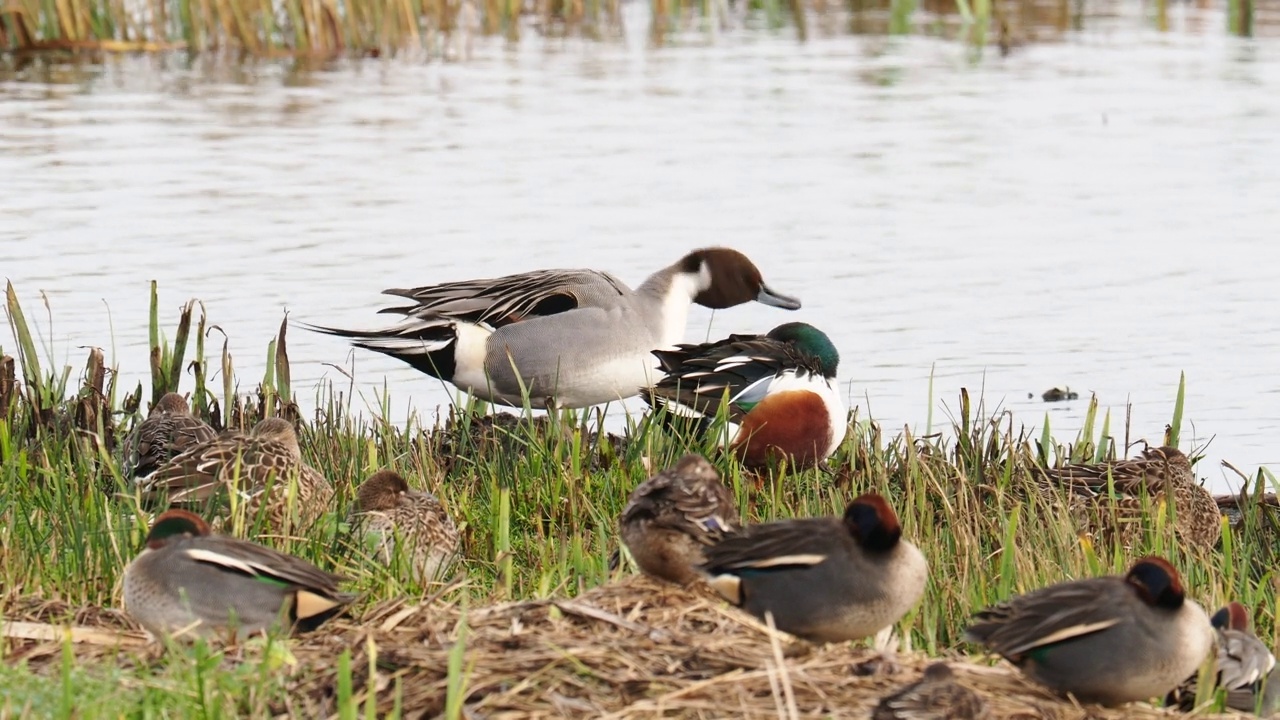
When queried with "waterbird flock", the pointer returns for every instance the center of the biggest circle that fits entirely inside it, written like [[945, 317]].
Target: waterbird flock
[[574, 338]]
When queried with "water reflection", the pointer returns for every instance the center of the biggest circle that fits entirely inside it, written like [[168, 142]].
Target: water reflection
[[1095, 212]]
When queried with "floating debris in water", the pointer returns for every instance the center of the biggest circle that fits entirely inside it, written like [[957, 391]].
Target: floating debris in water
[[1057, 394]]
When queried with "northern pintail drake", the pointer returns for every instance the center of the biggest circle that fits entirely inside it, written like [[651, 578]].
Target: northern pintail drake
[[1108, 640], [398, 522], [168, 430], [264, 467], [190, 581], [1160, 473], [567, 338], [937, 696], [673, 517], [825, 579], [1246, 668], [780, 389]]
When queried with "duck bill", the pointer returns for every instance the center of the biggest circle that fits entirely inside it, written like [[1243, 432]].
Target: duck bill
[[769, 297]]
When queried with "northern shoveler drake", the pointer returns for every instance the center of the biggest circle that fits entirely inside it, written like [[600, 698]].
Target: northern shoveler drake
[[1160, 473], [261, 467], [780, 389], [1107, 640], [936, 696], [168, 430], [1246, 667], [188, 581], [825, 579], [563, 338], [398, 521], [672, 517]]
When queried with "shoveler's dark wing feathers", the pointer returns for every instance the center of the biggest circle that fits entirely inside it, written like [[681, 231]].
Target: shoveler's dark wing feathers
[[698, 375]]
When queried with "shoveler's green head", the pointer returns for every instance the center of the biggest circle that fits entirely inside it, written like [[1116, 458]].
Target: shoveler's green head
[[812, 341]]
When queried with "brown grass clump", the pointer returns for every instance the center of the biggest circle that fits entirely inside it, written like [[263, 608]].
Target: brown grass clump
[[629, 649]]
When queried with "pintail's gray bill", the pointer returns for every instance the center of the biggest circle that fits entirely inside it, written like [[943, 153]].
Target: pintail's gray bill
[[769, 297]]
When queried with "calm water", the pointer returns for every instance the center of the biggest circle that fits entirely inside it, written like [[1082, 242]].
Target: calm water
[[1098, 212]]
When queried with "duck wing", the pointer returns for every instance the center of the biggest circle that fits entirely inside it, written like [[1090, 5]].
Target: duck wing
[[741, 367], [778, 545], [261, 562], [502, 301], [1050, 615], [199, 473]]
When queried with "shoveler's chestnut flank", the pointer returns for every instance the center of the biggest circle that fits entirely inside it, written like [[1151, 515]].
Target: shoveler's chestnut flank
[[780, 390], [189, 581], [1109, 640], [570, 338], [1159, 473], [672, 517], [826, 579], [395, 520]]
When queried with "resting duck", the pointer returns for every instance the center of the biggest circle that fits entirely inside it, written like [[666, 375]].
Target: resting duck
[[780, 390], [1246, 667], [1107, 640], [561, 338], [188, 581], [264, 467], [395, 520], [169, 430], [825, 579], [937, 696], [673, 517], [1162, 472]]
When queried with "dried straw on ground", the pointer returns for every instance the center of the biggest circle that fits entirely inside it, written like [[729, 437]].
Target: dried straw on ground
[[631, 649]]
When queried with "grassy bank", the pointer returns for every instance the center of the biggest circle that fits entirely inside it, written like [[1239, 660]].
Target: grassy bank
[[327, 29], [538, 502]]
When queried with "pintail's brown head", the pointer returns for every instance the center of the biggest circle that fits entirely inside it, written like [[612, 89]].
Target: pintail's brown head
[[729, 278]]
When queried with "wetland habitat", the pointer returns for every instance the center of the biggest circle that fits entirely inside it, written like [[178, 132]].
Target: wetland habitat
[[977, 201]]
